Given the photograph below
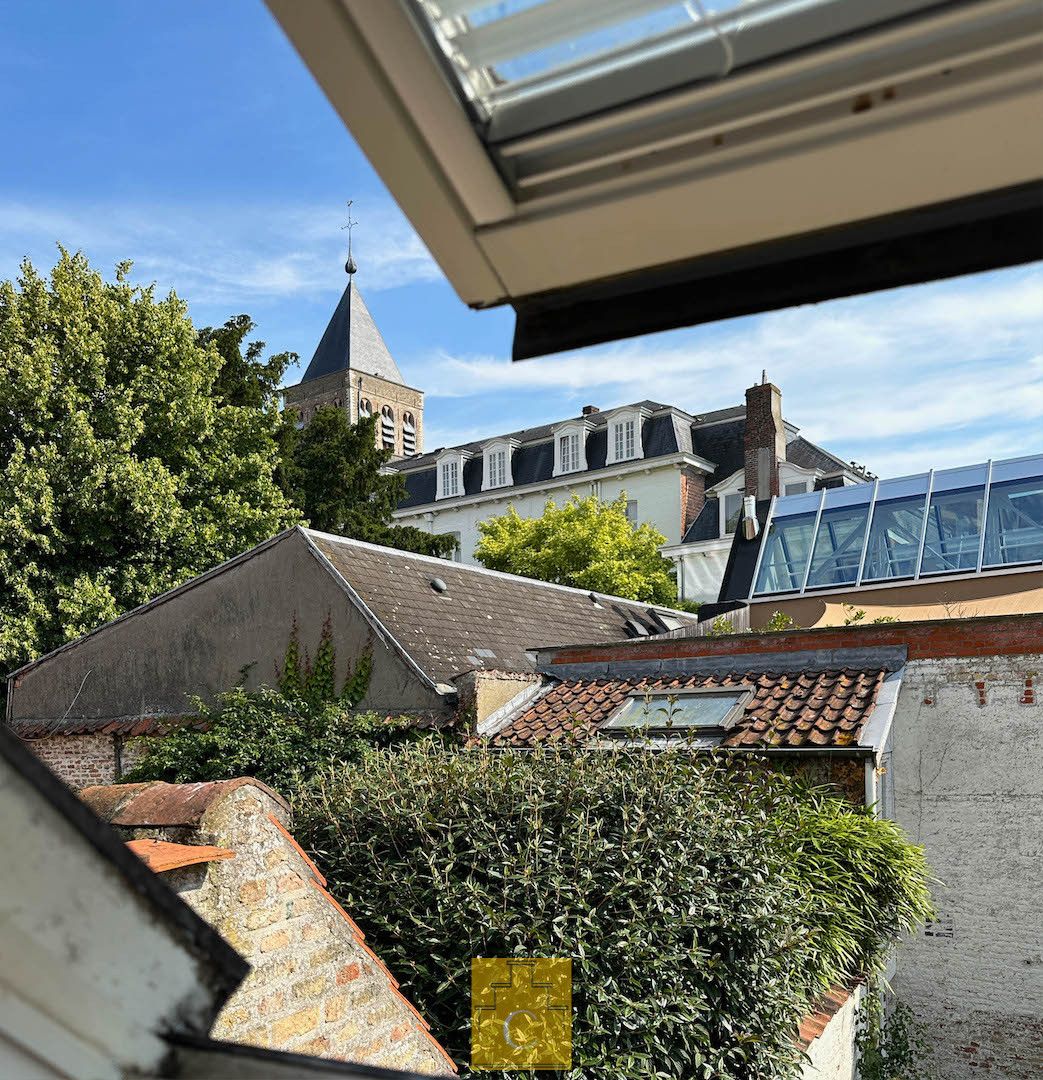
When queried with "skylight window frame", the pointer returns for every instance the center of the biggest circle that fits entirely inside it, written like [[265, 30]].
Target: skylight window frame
[[743, 696], [575, 278]]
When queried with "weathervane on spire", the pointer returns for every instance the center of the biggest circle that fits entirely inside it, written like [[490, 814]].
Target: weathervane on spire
[[349, 266]]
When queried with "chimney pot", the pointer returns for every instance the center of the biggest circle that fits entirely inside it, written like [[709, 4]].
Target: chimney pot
[[590, 409]]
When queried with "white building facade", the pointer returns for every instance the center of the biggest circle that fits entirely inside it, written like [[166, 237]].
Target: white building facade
[[682, 473]]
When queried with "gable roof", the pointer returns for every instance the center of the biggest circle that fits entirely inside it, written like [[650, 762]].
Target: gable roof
[[789, 709], [352, 341], [483, 618]]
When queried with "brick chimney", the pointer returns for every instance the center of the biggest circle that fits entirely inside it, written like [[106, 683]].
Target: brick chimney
[[589, 410], [764, 439]]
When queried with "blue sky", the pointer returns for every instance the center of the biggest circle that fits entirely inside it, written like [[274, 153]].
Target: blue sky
[[189, 138]]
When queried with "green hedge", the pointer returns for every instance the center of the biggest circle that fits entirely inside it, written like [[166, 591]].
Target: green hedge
[[271, 735], [703, 904]]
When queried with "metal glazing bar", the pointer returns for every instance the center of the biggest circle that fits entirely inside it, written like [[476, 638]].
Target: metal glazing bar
[[814, 542], [923, 526], [865, 539], [984, 515]]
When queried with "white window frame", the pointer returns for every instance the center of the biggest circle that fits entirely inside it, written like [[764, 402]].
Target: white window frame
[[578, 429], [617, 421], [452, 457], [722, 498], [499, 446]]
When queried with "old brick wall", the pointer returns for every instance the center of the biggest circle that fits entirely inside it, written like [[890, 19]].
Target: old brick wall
[[693, 496], [965, 768], [316, 987], [83, 760], [78, 760]]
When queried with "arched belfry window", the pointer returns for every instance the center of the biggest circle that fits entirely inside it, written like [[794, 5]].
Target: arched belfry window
[[365, 408], [408, 434], [387, 427]]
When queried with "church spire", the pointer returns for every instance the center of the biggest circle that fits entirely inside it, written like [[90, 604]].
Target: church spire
[[350, 267]]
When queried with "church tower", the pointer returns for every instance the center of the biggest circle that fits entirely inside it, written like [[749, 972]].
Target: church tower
[[352, 369]]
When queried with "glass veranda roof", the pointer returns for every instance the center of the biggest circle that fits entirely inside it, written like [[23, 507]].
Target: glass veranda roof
[[529, 64], [948, 521]]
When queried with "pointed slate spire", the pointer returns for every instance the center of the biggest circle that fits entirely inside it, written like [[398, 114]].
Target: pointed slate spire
[[352, 342]]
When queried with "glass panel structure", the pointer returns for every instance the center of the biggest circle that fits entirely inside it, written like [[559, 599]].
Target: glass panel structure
[[787, 544], [896, 529], [910, 528], [838, 546], [1014, 527], [954, 521], [702, 709]]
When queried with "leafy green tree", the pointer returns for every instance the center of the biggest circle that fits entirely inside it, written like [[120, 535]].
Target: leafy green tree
[[121, 474], [586, 543], [332, 471], [244, 378]]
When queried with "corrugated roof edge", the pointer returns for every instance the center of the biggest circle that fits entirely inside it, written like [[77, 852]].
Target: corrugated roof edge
[[688, 616]]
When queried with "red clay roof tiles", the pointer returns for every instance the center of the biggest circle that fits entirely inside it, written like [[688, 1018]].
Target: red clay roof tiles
[[788, 710]]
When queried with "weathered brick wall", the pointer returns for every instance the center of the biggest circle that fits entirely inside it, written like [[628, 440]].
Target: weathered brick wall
[[693, 496], [965, 769], [316, 987], [83, 760], [79, 760], [481, 693]]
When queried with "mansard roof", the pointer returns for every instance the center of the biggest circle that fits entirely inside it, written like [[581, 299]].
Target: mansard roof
[[352, 342]]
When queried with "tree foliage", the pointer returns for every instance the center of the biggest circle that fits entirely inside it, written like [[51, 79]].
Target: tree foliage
[[275, 737], [121, 473], [332, 470], [586, 543], [703, 904]]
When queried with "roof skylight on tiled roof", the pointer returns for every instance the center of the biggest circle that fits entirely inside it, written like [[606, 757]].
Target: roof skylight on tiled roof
[[948, 521]]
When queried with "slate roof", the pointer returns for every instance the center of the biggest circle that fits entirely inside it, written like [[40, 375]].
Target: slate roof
[[352, 340], [790, 709], [483, 619]]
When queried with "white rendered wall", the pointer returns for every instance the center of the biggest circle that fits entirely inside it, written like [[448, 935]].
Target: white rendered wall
[[832, 1054], [656, 490], [967, 772]]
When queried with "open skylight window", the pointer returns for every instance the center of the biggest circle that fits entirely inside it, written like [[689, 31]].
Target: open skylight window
[[700, 711], [618, 167]]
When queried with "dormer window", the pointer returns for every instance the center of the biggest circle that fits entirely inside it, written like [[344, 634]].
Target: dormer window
[[624, 434], [449, 480], [496, 464], [570, 447]]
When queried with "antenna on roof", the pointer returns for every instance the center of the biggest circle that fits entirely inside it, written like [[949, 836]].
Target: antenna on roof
[[349, 266]]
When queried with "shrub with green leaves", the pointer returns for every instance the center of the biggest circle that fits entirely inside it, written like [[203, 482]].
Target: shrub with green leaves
[[703, 903], [269, 735]]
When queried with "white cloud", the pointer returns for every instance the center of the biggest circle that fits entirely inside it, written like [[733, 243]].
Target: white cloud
[[931, 375], [220, 253]]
